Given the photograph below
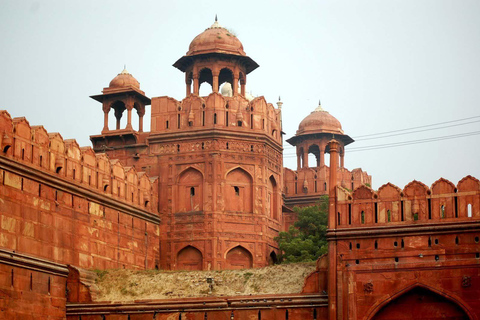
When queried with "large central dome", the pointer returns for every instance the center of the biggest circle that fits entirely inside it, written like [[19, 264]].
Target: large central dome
[[216, 39]]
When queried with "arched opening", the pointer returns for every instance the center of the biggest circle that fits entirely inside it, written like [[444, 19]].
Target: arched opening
[[190, 191], [272, 258], [300, 161], [188, 82], [238, 193], [119, 120], [205, 76], [272, 198], [239, 258], [420, 303], [189, 258], [315, 151], [469, 210], [225, 75]]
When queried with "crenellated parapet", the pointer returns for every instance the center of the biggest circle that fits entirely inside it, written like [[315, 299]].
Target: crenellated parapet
[[34, 147], [415, 204], [304, 187], [215, 111]]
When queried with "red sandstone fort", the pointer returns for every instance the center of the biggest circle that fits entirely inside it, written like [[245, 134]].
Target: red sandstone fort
[[206, 189]]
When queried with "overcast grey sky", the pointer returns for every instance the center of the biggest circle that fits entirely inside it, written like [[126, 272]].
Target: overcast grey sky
[[377, 66]]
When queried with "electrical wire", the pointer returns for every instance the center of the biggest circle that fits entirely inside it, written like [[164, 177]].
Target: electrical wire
[[410, 142], [419, 127], [416, 131]]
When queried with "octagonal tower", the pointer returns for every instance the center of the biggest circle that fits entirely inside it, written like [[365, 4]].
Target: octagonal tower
[[218, 158]]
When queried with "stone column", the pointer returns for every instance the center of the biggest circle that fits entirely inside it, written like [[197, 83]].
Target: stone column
[[322, 156], [342, 153], [106, 111], [215, 82], [196, 85], [299, 160], [141, 113], [305, 158], [188, 83], [129, 116], [332, 243], [235, 85]]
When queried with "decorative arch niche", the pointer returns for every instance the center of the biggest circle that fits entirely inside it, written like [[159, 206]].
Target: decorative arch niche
[[272, 198], [239, 258], [239, 193], [189, 258], [420, 302], [190, 191]]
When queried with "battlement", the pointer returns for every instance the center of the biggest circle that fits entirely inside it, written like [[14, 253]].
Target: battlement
[[415, 204], [33, 146]]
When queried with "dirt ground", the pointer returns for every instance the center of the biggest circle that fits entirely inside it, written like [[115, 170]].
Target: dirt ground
[[128, 285]]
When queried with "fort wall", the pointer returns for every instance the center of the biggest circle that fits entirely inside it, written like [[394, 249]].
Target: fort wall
[[66, 204], [396, 244]]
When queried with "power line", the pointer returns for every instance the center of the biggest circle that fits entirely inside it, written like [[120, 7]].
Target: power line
[[419, 127], [403, 143], [411, 142], [416, 131]]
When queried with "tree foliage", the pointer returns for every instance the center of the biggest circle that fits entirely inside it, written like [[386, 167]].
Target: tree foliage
[[306, 239]]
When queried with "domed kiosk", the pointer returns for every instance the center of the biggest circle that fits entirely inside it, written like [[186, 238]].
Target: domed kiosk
[[313, 135], [215, 56], [123, 93]]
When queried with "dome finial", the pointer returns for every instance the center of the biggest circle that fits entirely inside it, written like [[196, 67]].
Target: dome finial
[[124, 71], [319, 108], [279, 103], [215, 25]]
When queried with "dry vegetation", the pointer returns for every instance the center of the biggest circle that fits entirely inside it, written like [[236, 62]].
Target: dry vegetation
[[127, 285]]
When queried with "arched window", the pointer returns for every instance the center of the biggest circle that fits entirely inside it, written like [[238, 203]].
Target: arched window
[[469, 210]]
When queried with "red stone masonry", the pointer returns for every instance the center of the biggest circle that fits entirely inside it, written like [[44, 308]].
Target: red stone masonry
[[391, 247], [68, 205]]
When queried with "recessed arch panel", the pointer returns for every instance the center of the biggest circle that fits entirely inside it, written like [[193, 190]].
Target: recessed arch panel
[[189, 258], [420, 303], [190, 191], [238, 193], [239, 258]]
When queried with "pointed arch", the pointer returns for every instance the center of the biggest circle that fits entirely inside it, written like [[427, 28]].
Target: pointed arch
[[238, 258], [189, 258], [272, 198], [238, 190], [442, 186], [190, 190], [399, 299]]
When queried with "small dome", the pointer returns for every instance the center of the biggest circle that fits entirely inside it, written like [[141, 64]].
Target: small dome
[[216, 39], [320, 121], [124, 79]]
